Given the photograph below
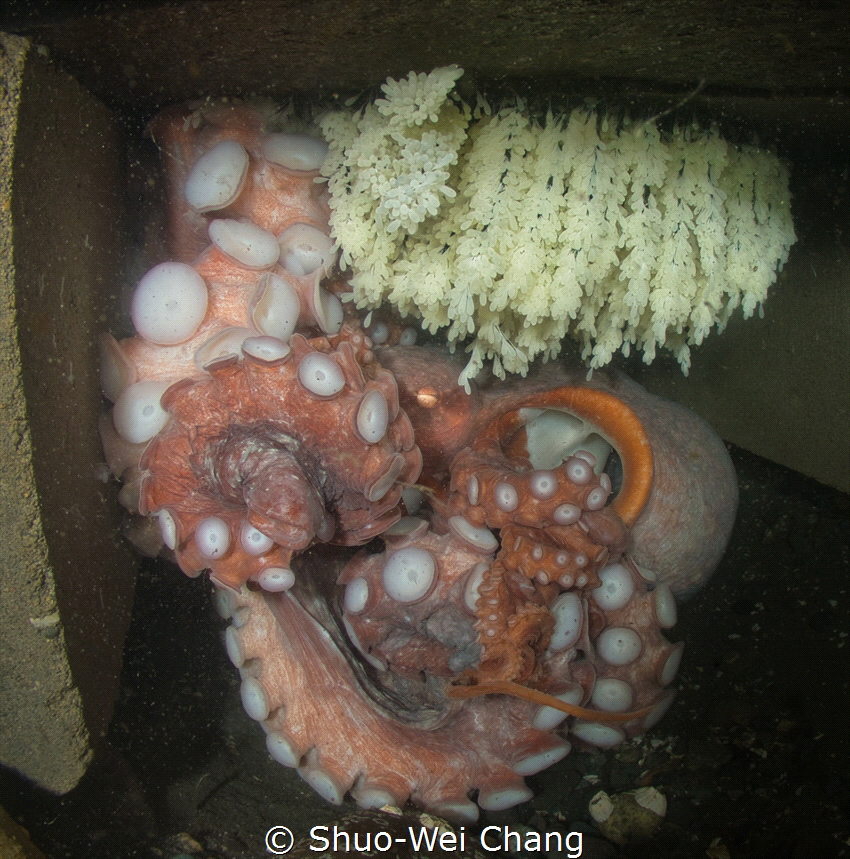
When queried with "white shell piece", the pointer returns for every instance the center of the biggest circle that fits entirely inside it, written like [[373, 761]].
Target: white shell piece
[[506, 797], [169, 304], [356, 595], [168, 529], [254, 542], [304, 249], [321, 375], [294, 151], [616, 587], [372, 417], [481, 538], [671, 665], [550, 434], [234, 647], [217, 177], [612, 695], [651, 799], [619, 645], [212, 536], [601, 807], [281, 749], [225, 343], [568, 612], [248, 244], [408, 574], [137, 415], [254, 699], [664, 604], [587, 456], [276, 579], [276, 307], [473, 582], [602, 736], [547, 718], [535, 763], [596, 448]]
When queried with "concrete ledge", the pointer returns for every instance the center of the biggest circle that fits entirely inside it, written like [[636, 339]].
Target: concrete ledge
[[65, 576]]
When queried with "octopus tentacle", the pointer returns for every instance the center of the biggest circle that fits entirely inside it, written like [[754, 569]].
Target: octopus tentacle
[[506, 687], [611, 417], [256, 426], [240, 434]]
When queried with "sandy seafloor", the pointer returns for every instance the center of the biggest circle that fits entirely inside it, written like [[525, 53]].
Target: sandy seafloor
[[753, 756]]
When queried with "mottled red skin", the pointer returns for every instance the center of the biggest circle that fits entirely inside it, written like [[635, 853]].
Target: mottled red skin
[[358, 698], [683, 529]]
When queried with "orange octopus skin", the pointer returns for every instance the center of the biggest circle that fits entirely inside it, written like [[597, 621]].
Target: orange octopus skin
[[521, 610]]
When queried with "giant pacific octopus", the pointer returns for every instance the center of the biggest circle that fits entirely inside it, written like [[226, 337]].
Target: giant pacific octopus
[[522, 543]]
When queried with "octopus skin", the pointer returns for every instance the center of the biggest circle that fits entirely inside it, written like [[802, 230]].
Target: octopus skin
[[433, 593]]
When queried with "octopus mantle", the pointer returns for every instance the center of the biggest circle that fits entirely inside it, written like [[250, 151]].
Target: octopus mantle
[[522, 544]]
